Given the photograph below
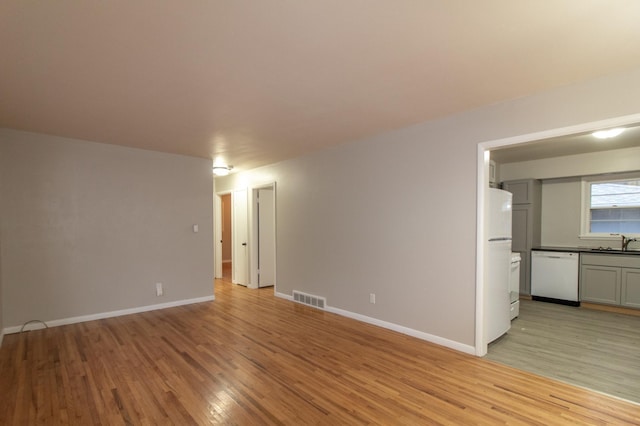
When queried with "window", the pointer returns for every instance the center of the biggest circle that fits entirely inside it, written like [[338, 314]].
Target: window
[[611, 207]]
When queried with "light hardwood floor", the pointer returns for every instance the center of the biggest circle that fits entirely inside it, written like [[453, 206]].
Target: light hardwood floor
[[250, 358], [226, 271], [595, 349]]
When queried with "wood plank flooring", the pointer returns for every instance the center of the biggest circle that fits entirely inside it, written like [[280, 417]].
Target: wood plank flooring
[[595, 349], [250, 358]]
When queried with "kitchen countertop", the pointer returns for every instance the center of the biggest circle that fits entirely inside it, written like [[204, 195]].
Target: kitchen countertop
[[591, 250]]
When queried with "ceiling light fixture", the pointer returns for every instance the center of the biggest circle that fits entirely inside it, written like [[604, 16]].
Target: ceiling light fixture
[[606, 134], [222, 170]]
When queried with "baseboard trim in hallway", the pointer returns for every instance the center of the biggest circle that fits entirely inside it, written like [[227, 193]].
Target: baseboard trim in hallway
[[103, 315]]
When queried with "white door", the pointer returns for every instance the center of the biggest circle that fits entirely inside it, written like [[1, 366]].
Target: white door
[[266, 238], [240, 249]]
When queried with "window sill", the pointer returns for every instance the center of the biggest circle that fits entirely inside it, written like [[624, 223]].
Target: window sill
[[614, 237]]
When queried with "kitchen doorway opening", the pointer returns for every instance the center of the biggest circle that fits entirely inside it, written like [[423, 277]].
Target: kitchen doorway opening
[[530, 309], [482, 191]]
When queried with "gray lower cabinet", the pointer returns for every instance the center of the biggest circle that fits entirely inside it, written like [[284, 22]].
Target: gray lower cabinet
[[630, 288], [612, 280], [600, 284]]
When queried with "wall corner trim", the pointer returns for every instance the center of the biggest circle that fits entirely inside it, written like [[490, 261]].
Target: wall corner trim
[[102, 315], [451, 344]]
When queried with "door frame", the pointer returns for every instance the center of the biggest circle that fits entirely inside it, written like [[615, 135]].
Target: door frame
[[482, 182]]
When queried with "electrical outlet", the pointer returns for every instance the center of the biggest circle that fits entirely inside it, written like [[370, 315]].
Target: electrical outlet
[[159, 291], [372, 298]]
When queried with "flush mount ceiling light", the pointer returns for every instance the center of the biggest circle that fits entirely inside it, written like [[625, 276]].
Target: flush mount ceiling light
[[221, 170], [606, 134]]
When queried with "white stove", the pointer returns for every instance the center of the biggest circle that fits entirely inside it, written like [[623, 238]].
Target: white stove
[[514, 284]]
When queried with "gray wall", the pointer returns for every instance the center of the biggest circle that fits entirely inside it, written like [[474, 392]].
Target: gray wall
[[89, 228], [561, 205], [395, 214]]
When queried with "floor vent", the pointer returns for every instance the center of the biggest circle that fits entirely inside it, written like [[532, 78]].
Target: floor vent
[[308, 299]]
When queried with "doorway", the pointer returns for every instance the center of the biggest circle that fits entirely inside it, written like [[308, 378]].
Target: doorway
[[517, 348], [230, 236], [226, 237], [482, 181], [245, 235]]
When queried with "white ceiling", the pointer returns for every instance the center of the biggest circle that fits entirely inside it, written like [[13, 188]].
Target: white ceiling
[[253, 82]]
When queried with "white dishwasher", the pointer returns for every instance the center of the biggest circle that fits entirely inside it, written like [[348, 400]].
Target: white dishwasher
[[554, 277]]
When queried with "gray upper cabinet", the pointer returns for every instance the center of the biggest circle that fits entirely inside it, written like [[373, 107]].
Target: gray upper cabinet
[[524, 191], [522, 232], [526, 222]]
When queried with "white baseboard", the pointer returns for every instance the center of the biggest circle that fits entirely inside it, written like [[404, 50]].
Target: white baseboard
[[461, 347], [1, 337], [283, 296], [93, 317]]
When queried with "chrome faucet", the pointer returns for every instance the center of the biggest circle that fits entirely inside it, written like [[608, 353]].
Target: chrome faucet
[[626, 241]]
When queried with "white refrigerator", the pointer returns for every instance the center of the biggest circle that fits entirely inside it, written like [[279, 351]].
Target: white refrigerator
[[497, 298]]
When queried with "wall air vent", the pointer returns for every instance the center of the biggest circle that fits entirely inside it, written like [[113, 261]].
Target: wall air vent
[[309, 299]]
